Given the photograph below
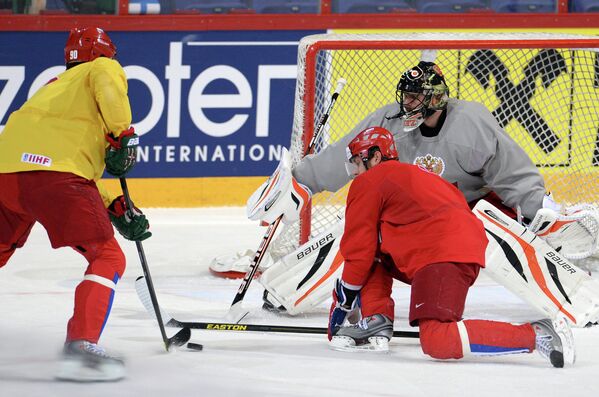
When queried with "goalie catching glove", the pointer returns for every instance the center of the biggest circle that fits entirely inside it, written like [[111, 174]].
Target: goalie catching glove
[[280, 195], [131, 223], [121, 154], [572, 231]]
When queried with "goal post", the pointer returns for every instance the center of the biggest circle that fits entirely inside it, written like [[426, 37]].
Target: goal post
[[543, 89]]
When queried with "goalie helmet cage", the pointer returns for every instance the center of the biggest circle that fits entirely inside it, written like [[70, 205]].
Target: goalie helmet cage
[[543, 89]]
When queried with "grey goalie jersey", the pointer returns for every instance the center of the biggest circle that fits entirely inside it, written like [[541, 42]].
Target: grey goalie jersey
[[471, 151]]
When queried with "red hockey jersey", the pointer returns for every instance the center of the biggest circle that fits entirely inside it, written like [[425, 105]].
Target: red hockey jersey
[[412, 215]]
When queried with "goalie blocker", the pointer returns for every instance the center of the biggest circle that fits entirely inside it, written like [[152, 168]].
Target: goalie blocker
[[515, 258]]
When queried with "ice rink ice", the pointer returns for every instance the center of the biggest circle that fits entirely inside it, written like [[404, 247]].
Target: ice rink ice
[[36, 298]]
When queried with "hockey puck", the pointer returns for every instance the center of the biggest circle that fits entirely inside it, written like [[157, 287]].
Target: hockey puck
[[195, 346]]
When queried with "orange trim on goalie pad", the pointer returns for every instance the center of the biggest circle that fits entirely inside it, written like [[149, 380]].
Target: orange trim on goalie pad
[[334, 266], [533, 265], [232, 274], [555, 227]]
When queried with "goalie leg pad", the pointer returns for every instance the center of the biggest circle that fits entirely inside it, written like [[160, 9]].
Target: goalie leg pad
[[303, 279], [526, 265]]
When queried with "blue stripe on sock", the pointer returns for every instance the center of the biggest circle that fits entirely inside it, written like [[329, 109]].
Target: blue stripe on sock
[[115, 279], [495, 350]]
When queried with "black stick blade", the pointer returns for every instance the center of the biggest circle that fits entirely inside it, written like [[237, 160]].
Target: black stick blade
[[180, 338]]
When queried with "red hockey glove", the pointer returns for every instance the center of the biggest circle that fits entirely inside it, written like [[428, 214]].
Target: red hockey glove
[[131, 224], [121, 155]]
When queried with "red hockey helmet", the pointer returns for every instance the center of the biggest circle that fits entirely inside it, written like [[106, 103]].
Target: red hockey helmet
[[87, 44], [369, 138]]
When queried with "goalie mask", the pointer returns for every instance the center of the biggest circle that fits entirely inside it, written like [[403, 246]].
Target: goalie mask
[[366, 143], [421, 91], [87, 44]]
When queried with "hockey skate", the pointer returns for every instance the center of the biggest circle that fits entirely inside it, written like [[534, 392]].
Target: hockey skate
[[270, 304], [554, 341], [369, 334], [83, 361]]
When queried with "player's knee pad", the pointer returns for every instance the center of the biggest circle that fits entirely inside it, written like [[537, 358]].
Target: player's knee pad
[[440, 340], [105, 259]]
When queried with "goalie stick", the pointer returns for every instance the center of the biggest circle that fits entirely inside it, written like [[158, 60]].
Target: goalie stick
[[144, 296], [236, 312], [181, 337]]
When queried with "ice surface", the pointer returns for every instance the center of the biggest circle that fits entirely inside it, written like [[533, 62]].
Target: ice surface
[[36, 293]]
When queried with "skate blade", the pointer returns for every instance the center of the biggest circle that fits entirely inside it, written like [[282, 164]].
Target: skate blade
[[76, 371], [376, 344]]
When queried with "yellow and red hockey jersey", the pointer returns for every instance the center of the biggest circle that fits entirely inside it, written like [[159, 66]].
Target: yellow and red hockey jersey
[[62, 127]]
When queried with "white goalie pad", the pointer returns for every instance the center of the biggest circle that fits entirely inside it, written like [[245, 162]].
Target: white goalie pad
[[304, 278], [572, 232], [280, 195], [526, 265]]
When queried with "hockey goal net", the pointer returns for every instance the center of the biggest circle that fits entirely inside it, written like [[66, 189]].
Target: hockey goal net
[[542, 88]]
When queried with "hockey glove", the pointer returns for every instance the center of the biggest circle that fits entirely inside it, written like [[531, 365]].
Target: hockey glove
[[121, 153], [346, 305], [131, 224]]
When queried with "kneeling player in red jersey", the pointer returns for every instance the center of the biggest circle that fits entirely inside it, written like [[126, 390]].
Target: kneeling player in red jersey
[[405, 223]]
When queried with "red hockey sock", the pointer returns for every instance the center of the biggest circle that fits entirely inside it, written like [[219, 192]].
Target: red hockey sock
[[95, 294], [479, 337], [495, 337]]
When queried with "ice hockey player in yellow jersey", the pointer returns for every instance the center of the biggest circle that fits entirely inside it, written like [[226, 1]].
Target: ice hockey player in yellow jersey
[[53, 151]]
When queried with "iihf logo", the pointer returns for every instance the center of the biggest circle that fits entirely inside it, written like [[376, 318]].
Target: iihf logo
[[36, 159]]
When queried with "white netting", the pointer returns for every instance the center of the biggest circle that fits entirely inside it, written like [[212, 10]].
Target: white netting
[[542, 88]]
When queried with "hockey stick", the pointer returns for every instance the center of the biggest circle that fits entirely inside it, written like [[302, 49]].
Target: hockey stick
[[143, 295], [181, 337], [237, 312], [325, 117]]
